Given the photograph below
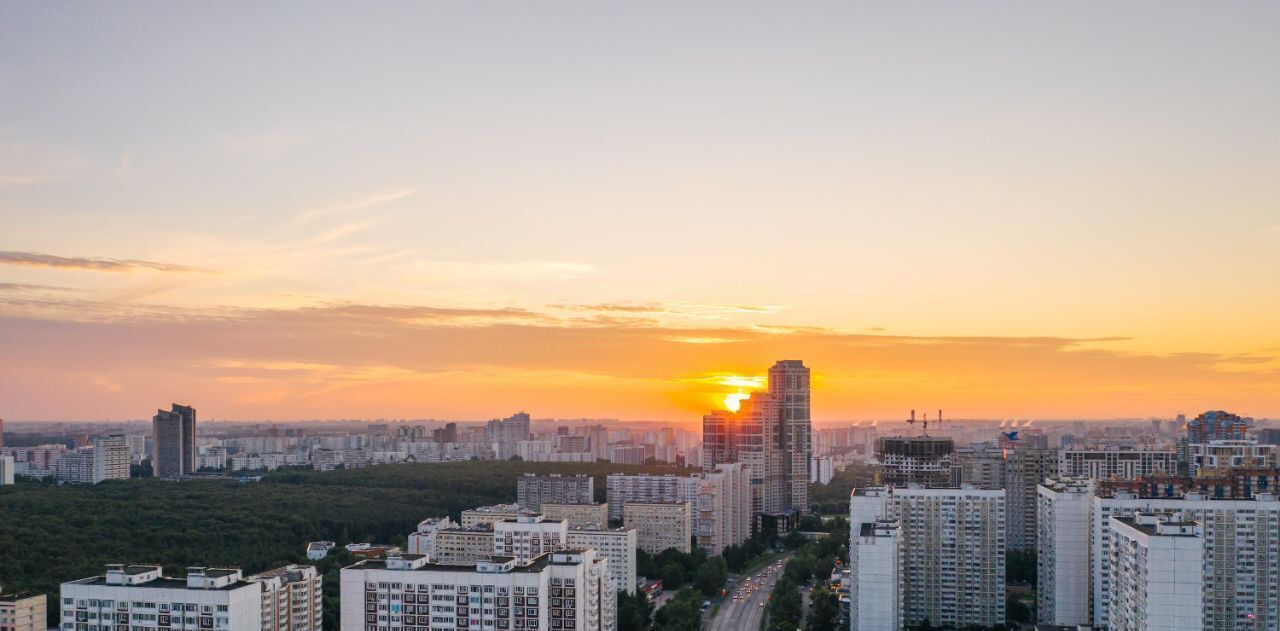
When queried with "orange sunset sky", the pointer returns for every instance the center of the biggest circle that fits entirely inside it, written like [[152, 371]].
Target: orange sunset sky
[[631, 211]]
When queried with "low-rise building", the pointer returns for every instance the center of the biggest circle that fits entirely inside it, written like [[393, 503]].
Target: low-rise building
[[23, 611], [577, 515], [489, 514]]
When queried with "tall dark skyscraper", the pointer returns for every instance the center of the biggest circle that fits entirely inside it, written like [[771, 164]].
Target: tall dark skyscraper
[[771, 433], [173, 450]]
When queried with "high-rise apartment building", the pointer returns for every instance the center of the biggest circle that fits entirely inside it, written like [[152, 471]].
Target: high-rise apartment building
[[173, 442], [644, 489], [981, 464], [426, 539], [502, 434], [659, 526], [616, 545], [1025, 469], [107, 459], [1241, 555], [532, 490], [878, 578], [789, 388], [952, 546], [141, 598], [561, 590], [1217, 425], [1156, 577], [928, 461], [771, 433], [720, 501], [23, 611], [292, 599], [7, 468], [1062, 570]]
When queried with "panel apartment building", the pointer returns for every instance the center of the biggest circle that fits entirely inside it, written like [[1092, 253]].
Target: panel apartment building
[[568, 590]]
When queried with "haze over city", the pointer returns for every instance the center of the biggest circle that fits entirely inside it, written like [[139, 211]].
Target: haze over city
[[455, 211]]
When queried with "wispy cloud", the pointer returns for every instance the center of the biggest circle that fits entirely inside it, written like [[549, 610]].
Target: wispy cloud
[[364, 203], [22, 178], [36, 259], [29, 287], [340, 232]]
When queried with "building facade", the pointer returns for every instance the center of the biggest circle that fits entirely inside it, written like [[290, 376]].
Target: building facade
[[173, 442], [1025, 469], [616, 545], [292, 598], [1062, 570], [141, 598], [879, 593], [569, 590], [1116, 462], [532, 490], [23, 611], [1156, 577], [953, 551], [578, 515], [659, 526]]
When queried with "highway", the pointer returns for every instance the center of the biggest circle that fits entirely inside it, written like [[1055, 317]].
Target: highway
[[746, 612]]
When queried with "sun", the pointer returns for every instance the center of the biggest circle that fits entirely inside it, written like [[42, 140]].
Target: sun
[[733, 401]]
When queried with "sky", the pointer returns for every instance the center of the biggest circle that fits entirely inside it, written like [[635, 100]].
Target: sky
[[631, 210]]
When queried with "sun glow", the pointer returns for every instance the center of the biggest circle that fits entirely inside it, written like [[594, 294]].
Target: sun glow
[[733, 401]]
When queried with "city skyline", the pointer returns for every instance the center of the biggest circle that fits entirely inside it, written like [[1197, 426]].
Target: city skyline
[[437, 211]]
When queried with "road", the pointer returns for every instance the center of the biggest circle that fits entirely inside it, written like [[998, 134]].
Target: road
[[746, 613]]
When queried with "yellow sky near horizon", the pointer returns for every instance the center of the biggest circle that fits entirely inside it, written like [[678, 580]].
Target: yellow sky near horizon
[[454, 211]]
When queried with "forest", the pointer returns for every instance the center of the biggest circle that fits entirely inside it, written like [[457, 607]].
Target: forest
[[54, 533]]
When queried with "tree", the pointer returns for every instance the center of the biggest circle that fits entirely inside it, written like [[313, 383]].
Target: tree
[[712, 577], [1016, 611], [672, 575], [635, 611], [824, 611], [682, 613]]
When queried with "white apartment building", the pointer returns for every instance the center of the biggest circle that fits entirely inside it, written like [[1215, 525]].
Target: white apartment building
[[1125, 463], [426, 538], [578, 515], [616, 545], [107, 459], [489, 514], [292, 599], [1156, 576], [528, 537], [1062, 560], [140, 598], [7, 467], [953, 551], [1241, 564], [659, 526], [879, 599], [564, 591], [821, 469], [644, 489], [720, 501]]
